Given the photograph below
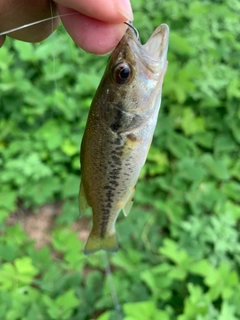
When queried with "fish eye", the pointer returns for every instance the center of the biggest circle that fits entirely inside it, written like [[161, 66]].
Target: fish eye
[[122, 73]]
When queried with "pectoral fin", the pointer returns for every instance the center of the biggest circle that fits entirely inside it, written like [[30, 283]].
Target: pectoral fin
[[83, 204], [128, 205]]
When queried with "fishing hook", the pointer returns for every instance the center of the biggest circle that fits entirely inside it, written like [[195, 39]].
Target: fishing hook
[[130, 24]]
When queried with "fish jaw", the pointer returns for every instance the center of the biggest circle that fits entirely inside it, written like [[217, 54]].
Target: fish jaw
[[157, 44]]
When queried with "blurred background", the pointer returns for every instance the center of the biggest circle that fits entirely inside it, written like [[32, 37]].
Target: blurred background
[[179, 254]]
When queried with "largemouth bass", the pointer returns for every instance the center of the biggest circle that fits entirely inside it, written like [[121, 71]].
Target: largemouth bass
[[119, 131]]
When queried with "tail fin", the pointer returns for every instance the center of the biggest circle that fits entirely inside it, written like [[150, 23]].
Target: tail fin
[[95, 243]]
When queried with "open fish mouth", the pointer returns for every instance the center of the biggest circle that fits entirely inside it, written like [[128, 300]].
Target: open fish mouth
[[157, 45]]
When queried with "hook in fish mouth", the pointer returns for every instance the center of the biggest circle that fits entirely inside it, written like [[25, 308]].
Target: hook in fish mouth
[[130, 24]]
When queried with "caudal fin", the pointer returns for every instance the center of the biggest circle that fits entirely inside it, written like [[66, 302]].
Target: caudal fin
[[95, 243]]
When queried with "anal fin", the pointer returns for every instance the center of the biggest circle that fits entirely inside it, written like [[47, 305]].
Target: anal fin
[[128, 205]]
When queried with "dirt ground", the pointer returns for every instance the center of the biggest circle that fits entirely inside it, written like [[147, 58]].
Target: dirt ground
[[39, 225]]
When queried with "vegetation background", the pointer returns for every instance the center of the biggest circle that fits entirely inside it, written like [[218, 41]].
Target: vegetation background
[[180, 246]]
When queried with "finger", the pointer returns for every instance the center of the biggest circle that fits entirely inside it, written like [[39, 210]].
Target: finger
[[14, 14], [112, 11], [90, 34]]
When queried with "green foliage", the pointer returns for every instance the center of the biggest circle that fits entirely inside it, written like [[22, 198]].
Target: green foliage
[[180, 246]]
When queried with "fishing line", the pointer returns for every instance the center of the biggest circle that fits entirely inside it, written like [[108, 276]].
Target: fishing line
[[112, 288], [33, 23], [53, 55]]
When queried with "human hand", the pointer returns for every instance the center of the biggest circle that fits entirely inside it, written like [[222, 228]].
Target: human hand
[[96, 25]]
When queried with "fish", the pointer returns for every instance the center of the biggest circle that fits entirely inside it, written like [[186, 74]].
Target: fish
[[119, 132]]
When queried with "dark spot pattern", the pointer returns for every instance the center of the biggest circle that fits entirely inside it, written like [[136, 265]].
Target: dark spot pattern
[[115, 170], [132, 137], [112, 184], [116, 121], [119, 120]]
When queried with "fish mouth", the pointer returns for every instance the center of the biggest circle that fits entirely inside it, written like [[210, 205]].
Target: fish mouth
[[157, 45], [153, 54]]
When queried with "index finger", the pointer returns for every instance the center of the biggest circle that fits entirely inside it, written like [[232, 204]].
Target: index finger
[[111, 11], [87, 26]]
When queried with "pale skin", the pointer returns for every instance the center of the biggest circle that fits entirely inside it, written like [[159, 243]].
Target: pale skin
[[96, 25]]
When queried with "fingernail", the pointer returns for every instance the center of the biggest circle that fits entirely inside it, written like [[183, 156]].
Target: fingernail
[[124, 7]]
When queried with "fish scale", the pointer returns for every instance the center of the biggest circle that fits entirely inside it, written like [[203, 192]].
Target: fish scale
[[119, 131]]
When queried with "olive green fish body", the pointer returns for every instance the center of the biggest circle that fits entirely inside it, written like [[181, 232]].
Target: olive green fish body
[[119, 132]]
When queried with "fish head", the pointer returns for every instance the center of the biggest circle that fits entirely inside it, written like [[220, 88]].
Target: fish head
[[137, 70], [130, 90]]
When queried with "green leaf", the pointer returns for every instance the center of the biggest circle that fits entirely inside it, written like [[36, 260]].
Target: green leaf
[[179, 146], [228, 312], [19, 274], [224, 143], [69, 148], [70, 186], [7, 202], [216, 167], [25, 269], [180, 44], [190, 169], [171, 250], [190, 123], [232, 190], [25, 50], [66, 304], [236, 170], [50, 133], [201, 267], [143, 310]]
